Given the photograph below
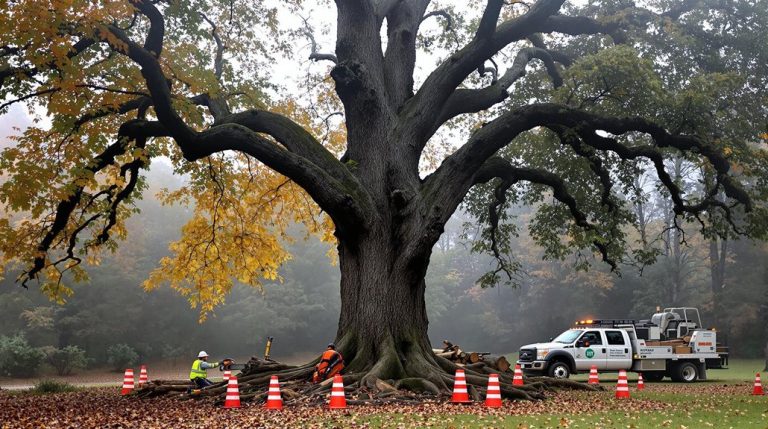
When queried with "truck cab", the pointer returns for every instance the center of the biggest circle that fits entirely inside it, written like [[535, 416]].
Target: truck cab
[[577, 350]]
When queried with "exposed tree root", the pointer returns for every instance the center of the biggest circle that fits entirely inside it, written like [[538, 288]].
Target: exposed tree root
[[372, 386]]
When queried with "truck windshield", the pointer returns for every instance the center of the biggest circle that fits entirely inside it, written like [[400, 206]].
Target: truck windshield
[[568, 336]]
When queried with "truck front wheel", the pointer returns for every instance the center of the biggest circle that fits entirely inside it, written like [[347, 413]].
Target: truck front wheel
[[559, 370], [684, 372]]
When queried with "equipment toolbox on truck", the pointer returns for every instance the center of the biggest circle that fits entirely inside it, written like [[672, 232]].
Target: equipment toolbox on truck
[[670, 344]]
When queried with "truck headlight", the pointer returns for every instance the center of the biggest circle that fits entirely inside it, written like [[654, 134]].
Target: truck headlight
[[541, 354]]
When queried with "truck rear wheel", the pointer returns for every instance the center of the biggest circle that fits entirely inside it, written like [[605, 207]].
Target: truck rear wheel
[[684, 372], [559, 369]]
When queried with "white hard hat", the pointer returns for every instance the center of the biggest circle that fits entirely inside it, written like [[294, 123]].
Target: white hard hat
[[202, 354]]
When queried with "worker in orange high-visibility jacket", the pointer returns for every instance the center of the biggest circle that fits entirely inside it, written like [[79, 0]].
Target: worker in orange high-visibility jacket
[[331, 363]]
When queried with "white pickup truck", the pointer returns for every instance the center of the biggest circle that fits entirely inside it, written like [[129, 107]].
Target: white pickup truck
[[670, 344]]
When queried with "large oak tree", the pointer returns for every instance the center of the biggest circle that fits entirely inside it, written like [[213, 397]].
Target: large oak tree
[[540, 103]]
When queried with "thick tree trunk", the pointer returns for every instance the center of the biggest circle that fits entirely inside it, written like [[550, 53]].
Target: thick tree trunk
[[383, 322]]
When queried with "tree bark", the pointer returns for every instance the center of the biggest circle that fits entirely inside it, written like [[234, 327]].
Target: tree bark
[[383, 322]]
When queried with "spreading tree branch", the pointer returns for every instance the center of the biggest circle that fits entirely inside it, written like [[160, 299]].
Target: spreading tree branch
[[441, 13], [490, 18], [65, 208], [443, 81], [343, 202], [447, 186], [400, 57], [476, 100], [495, 209], [440, 86], [595, 164], [31, 71], [218, 63], [499, 168], [316, 55]]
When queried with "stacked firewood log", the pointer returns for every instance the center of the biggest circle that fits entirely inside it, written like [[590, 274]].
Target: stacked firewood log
[[455, 354]]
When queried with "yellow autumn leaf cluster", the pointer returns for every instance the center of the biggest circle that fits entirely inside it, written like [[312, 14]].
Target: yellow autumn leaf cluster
[[238, 230], [242, 210]]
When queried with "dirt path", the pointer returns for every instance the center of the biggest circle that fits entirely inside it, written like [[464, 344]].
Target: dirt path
[[101, 377], [177, 369]]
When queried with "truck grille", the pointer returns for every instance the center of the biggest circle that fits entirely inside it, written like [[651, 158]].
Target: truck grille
[[527, 355]]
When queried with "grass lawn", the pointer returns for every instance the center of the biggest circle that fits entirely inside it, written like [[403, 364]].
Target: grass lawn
[[724, 401], [739, 370], [688, 410]]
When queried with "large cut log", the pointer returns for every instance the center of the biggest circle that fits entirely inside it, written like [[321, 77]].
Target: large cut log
[[447, 355], [257, 366], [475, 357], [497, 362], [459, 356]]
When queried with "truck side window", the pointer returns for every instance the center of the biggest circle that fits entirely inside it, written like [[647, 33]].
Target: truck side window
[[614, 338], [593, 337]]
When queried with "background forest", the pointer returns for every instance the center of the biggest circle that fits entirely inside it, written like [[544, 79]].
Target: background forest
[[725, 279]]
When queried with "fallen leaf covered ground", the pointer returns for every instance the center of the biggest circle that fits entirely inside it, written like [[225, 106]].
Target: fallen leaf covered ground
[[660, 405]]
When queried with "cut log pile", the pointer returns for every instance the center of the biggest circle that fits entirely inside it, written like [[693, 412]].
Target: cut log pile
[[475, 360], [297, 387], [254, 376], [256, 365]]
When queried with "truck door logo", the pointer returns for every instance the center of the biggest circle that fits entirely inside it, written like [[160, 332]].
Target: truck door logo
[[589, 353]]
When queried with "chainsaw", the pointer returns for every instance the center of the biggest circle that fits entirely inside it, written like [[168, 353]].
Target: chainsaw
[[228, 364]]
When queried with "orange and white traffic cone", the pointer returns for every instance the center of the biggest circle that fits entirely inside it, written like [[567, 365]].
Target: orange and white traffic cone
[[143, 378], [233, 394], [517, 380], [493, 394], [758, 389], [338, 400], [640, 383], [274, 400], [460, 393], [127, 382], [622, 388], [593, 377], [227, 375]]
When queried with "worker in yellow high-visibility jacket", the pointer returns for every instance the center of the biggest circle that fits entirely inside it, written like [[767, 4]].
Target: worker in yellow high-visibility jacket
[[199, 373]]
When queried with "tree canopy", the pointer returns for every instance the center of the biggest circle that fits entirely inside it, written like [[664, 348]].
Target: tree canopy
[[553, 104]]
